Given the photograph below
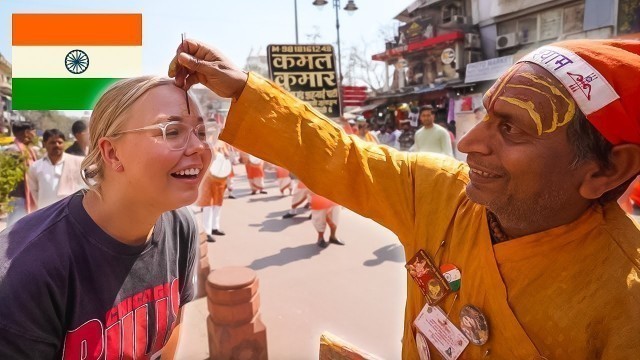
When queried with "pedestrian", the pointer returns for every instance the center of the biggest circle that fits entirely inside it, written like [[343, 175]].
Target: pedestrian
[[57, 174], [284, 180], [80, 132], [211, 194], [22, 203], [255, 173], [548, 258], [363, 130], [325, 212], [300, 195], [431, 137], [388, 136], [406, 138], [109, 270]]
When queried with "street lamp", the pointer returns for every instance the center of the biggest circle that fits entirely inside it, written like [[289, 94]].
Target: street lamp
[[350, 8]]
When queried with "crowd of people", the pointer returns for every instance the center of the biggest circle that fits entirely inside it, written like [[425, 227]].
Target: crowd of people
[[51, 172]]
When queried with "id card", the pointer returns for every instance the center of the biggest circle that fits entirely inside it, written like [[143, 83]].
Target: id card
[[443, 335], [426, 274]]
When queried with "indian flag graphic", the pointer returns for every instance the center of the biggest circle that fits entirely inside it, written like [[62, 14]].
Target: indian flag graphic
[[452, 274], [66, 61]]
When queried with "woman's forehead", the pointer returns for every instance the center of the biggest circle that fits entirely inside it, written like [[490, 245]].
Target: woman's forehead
[[163, 101]]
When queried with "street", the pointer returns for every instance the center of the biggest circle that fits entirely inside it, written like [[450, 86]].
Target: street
[[356, 291]]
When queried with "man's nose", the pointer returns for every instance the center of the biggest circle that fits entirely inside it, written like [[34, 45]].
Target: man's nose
[[477, 140]]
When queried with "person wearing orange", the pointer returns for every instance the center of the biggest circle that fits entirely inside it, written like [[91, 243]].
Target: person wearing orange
[[284, 180], [210, 196], [325, 212], [255, 173], [301, 194], [548, 257], [363, 131]]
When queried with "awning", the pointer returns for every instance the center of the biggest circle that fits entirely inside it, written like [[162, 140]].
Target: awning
[[417, 46], [418, 91], [361, 109]]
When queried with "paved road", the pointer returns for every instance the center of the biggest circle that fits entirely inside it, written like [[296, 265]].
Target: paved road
[[355, 291]]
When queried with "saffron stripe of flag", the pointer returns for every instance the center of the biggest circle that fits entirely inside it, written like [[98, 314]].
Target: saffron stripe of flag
[[77, 29]]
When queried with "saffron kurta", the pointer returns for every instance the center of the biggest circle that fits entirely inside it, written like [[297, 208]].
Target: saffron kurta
[[571, 292]]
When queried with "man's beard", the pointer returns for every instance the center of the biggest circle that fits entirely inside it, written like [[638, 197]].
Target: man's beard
[[533, 212]]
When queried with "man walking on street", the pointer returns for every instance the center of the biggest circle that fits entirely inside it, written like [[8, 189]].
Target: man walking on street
[[431, 137]]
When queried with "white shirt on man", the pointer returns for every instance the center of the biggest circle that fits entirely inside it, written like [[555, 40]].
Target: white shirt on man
[[45, 179], [434, 139]]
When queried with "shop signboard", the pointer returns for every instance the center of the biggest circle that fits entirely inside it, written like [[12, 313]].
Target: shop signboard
[[417, 30], [308, 72], [487, 70]]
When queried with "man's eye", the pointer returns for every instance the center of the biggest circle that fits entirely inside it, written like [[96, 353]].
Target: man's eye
[[507, 128]]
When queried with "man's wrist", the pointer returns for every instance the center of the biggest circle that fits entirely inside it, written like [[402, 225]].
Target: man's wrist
[[243, 78]]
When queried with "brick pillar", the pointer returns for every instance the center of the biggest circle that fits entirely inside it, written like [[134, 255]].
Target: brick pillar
[[234, 325]]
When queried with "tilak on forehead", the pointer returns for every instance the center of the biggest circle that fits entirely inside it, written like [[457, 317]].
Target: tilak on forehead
[[539, 84], [599, 75]]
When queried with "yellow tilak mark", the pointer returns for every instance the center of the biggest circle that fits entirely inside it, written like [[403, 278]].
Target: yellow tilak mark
[[571, 107], [555, 111], [502, 83], [527, 105]]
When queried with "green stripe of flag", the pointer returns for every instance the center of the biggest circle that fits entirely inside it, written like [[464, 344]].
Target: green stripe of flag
[[58, 93]]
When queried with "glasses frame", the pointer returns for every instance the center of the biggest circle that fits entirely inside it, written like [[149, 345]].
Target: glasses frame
[[163, 127]]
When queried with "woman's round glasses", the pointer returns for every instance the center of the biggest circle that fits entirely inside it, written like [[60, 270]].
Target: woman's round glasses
[[175, 133]]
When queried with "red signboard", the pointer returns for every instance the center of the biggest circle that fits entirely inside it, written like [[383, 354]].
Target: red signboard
[[354, 95], [420, 45]]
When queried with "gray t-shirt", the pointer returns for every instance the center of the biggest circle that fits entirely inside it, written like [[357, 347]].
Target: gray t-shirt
[[69, 290]]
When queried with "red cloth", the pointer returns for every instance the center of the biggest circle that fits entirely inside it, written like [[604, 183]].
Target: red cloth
[[320, 203], [281, 172], [635, 192], [618, 62], [254, 171]]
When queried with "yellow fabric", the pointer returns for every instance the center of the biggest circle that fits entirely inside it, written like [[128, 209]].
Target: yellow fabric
[[568, 293]]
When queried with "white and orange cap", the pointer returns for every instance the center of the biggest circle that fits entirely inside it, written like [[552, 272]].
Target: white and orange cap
[[602, 77]]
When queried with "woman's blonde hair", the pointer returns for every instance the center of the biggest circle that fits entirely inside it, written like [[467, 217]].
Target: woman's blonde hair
[[108, 118]]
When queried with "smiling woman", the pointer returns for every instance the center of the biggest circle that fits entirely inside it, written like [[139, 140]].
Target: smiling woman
[[122, 248]]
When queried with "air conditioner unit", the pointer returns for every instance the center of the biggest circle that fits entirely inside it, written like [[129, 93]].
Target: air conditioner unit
[[506, 41], [473, 56], [472, 41], [455, 20]]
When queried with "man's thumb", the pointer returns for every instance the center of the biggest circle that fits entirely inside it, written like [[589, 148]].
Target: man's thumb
[[189, 62]]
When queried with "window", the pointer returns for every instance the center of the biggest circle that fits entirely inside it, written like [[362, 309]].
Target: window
[[528, 30], [573, 19], [550, 22], [507, 27], [449, 11]]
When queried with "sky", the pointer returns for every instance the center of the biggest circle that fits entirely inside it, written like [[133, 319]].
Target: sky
[[236, 27]]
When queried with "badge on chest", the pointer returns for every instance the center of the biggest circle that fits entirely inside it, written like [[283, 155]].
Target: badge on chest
[[432, 283]]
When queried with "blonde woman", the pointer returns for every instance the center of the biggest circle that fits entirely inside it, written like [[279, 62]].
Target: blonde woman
[[105, 272]]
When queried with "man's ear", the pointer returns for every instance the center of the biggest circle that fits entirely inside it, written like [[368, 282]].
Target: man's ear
[[109, 153], [625, 164]]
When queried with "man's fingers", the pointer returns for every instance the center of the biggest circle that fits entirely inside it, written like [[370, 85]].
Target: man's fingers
[[192, 63]]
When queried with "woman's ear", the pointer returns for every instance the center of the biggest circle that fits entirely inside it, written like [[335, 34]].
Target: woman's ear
[[625, 164], [109, 154]]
